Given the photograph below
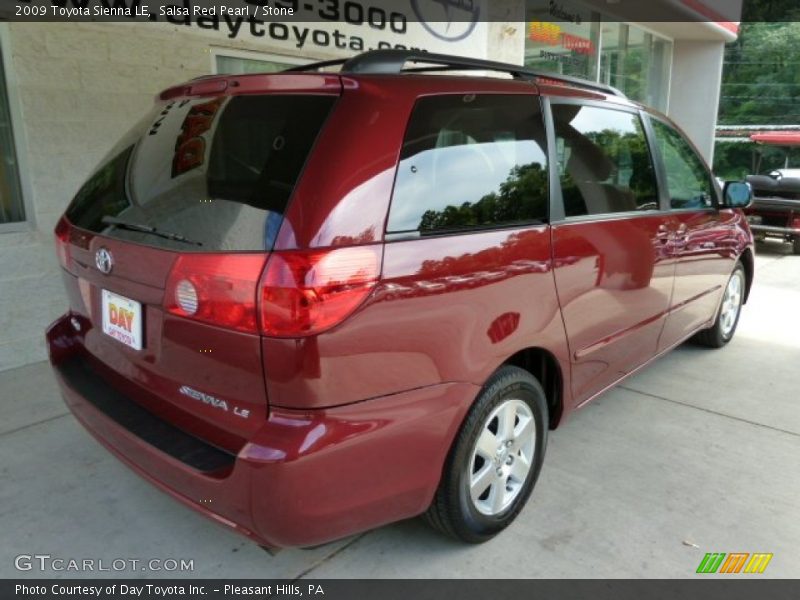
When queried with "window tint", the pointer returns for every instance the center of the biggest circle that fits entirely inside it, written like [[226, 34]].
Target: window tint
[[604, 161], [216, 171], [471, 161], [688, 182], [11, 206]]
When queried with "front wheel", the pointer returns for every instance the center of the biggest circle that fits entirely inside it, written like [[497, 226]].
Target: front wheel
[[724, 327], [495, 460], [796, 244]]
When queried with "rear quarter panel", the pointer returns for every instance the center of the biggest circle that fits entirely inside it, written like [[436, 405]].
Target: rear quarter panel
[[448, 309]]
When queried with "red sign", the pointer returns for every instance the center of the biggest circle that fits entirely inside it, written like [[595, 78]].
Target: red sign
[[552, 35]]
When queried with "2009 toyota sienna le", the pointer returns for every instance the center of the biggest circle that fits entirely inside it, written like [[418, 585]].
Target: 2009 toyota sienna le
[[311, 303]]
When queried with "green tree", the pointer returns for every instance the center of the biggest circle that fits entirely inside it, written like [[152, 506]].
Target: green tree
[[760, 85], [761, 76], [522, 195]]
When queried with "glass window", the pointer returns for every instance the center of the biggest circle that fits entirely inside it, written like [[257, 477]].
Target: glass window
[[636, 62], [688, 181], [236, 65], [217, 172], [570, 38], [11, 207], [604, 162], [471, 161], [562, 38]]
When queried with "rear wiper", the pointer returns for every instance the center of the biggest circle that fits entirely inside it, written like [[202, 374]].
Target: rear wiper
[[109, 220]]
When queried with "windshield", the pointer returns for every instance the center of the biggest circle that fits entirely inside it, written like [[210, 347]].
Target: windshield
[[218, 172]]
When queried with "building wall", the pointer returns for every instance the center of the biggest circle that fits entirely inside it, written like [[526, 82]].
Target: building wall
[[695, 90], [506, 35]]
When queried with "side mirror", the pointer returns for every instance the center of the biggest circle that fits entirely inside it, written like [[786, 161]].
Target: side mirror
[[737, 194]]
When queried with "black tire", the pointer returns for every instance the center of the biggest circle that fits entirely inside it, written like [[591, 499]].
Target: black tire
[[716, 336], [796, 244], [453, 511]]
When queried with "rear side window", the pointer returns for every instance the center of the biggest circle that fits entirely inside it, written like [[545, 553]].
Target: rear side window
[[208, 174], [604, 161], [471, 161], [688, 181]]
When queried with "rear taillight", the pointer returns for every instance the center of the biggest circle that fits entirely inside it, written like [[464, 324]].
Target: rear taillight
[[299, 293], [219, 289], [62, 233], [306, 292]]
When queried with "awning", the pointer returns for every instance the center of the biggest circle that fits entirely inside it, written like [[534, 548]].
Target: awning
[[777, 138]]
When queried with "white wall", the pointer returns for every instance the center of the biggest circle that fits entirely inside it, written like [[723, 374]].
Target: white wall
[[507, 31], [695, 89]]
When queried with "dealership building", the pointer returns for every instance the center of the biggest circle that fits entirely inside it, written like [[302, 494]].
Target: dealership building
[[68, 90]]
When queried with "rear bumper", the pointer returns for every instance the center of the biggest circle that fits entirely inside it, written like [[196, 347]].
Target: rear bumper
[[775, 230], [773, 216], [304, 478]]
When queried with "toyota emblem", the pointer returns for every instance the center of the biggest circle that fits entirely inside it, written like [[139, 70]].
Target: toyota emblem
[[104, 261]]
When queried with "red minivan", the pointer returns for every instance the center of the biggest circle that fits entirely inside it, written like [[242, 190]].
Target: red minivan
[[310, 303]]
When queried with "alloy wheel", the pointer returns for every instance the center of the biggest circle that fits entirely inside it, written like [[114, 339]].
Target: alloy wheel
[[731, 303], [501, 459]]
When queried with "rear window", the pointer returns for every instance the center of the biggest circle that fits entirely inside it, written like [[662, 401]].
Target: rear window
[[208, 174], [470, 162]]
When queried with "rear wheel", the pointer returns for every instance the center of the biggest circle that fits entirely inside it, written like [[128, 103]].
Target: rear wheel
[[495, 460], [796, 244], [724, 327]]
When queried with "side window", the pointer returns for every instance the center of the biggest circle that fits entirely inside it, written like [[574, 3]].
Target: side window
[[471, 161], [688, 180], [604, 162]]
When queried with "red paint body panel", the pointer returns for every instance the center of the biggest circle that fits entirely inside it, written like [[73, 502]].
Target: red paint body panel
[[706, 248], [177, 352], [386, 390], [622, 269], [293, 482], [314, 476], [256, 83], [407, 335]]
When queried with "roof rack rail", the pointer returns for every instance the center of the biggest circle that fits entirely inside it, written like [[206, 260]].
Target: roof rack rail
[[392, 61]]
